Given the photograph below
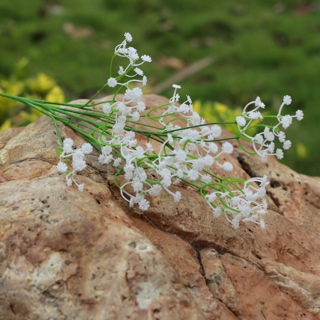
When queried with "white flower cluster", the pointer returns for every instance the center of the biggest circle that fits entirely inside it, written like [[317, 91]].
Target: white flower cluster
[[131, 54], [182, 148], [263, 142], [78, 162], [186, 154], [238, 205]]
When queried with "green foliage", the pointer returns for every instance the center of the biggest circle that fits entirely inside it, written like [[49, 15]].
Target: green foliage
[[13, 113], [267, 48]]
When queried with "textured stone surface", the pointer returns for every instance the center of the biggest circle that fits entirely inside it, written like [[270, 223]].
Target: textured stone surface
[[71, 255]]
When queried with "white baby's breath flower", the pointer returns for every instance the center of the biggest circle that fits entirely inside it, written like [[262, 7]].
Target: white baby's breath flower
[[279, 154], [86, 148], [180, 155], [211, 197], [155, 190], [259, 103], [287, 145], [128, 36], [193, 174], [299, 115], [146, 58], [144, 204], [105, 159], [287, 100], [106, 150], [177, 196], [216, 131], [227, 166], [117, 162], [121, 71], [213, 147], [138, 71], [135, 116], [144, 81], [206, 178], [112, 82], [286, 121], [227, 147], [62, 167], [68, 181], [67, 145], [106, 108], [241, 121], [78, 163], [281, 136]]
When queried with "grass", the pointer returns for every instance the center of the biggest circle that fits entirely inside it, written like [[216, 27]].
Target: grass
[[266, 48]]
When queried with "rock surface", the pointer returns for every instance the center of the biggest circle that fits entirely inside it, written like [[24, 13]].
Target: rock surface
[[66, 254]]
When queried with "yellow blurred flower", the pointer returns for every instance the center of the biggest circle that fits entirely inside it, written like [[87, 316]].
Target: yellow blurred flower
[[41, 86], [301, 150]]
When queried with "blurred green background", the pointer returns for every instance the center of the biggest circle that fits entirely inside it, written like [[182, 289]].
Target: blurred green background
[[266, 48]]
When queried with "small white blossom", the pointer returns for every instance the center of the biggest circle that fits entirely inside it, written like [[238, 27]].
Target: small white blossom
[[144, 81], [62, 167], [112, 82], [286, 121], [117, 162], [193, 135], [268, 134], [227, 166], [79, 165], [144, 204], [86, 148], [213, 147], [279, 154], [299, 115], [128, 36], [138, 71], [155, 190], [281, 136], [121, 71], [177, 196], [106, 108], [287, 145], [106, 150], [241, 121], [227, 147], [259, 103], [133, 95], [135, 116], [67, 145], [146, 58], [68, 182], [105, 159], [206, 178], [215, 131], [208, 160], [255, 115], [180, 155], [287, 100], [193, 174], [211, 197]]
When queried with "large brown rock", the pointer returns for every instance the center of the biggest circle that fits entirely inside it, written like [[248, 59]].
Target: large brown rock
[[66, 254]]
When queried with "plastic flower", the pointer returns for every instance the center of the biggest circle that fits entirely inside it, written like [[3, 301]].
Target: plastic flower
[[112, 82]]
